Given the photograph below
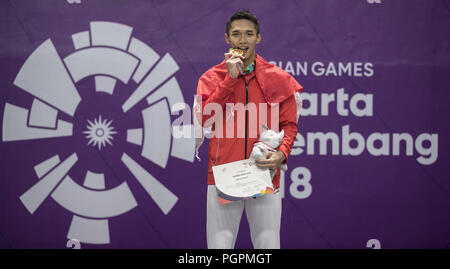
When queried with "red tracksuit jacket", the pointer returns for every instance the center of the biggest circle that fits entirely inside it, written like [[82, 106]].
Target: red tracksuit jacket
[[267, 84]]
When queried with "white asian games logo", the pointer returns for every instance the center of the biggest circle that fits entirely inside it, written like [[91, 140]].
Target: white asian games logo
[[108, 52]]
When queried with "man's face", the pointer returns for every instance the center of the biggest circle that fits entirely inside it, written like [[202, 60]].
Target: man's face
[[243, 35]]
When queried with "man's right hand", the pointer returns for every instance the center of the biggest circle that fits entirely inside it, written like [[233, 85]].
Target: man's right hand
[[234, 63]]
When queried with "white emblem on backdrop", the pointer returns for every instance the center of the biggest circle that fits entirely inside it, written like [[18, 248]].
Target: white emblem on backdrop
[[99, 132], [108, 52], [373, 244]]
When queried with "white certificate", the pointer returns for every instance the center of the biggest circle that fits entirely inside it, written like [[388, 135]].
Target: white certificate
[[241, 180]]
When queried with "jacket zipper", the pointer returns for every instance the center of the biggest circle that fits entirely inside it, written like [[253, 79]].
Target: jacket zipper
[[246, 115], [246, 119]]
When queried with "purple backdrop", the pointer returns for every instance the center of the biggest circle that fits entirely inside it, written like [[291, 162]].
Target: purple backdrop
[[377, 71]]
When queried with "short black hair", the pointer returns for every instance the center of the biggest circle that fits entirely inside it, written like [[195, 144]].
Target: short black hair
[[243, 14]]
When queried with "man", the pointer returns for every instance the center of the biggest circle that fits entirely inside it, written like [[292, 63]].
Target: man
[[248, 80]]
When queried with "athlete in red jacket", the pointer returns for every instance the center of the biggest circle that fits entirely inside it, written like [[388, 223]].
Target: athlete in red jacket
[[236, 83]]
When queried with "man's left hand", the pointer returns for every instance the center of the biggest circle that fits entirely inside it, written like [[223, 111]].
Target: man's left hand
[[272, 160]]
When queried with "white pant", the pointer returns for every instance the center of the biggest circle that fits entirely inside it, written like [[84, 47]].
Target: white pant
[[263, 215]]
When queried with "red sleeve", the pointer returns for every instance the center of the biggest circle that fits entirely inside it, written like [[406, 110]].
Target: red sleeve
[[288, 123], [210, 92]]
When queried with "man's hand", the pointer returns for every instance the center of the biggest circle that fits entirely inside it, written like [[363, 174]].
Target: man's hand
[[234, 63], [272, 160]]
